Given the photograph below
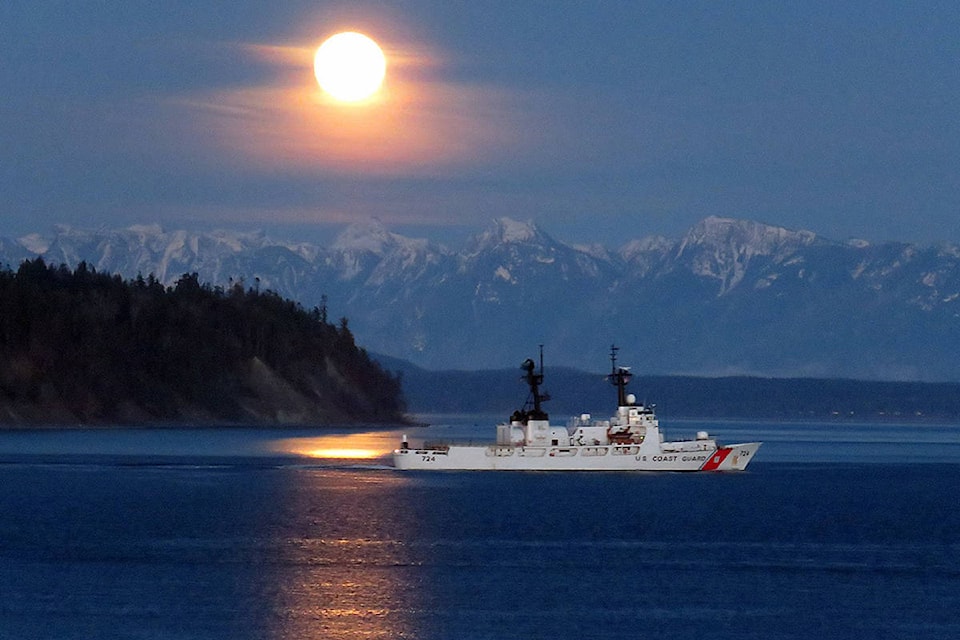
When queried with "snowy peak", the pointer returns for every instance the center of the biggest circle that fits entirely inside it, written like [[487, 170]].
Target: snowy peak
[[645, 250], [743, 237], [512, 231], [374, 238], [506, 231], [724, 248], [369, 251], [369, 236]]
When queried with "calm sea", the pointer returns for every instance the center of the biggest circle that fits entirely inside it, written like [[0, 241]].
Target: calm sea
[[836, 531]]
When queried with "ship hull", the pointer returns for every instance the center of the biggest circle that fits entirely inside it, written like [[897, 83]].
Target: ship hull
[[610, 457]]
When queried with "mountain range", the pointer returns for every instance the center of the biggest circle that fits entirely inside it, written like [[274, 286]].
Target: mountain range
[[729, 297]]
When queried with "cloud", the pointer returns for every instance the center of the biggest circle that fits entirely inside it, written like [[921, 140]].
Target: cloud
[[418, 124]]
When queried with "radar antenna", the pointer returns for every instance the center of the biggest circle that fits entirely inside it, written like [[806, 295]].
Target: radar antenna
[[619, 377], [534, 380]]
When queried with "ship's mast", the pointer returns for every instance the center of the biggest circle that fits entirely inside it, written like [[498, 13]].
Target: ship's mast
[[534, 380], [619, 377]]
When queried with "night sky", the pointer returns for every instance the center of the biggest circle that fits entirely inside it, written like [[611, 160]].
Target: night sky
[[600, 121]]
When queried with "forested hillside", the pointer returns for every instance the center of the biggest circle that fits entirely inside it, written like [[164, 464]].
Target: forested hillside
[[86, 347]]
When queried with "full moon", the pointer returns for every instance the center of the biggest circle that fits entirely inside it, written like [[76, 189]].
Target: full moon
[[349, 66]]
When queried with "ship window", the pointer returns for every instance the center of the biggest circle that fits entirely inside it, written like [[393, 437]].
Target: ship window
[[555, 442]]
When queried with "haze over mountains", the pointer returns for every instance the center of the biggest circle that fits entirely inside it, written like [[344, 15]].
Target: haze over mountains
[[729, 297]]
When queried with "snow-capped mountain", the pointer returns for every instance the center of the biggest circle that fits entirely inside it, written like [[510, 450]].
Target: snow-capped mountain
[[729, 297]]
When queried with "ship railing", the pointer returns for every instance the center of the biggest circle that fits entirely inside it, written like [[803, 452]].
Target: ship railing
[[687, 446], [580, 421]]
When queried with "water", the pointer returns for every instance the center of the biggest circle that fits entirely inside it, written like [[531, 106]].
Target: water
[[248, 534]]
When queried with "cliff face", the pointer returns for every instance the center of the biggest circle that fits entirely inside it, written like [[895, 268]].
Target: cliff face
[[86, 348]]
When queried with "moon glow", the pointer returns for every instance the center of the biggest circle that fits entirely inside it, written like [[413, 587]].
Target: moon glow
[[350, 66]]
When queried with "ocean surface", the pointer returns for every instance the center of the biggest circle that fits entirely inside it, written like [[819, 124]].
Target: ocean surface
[[835, 531]]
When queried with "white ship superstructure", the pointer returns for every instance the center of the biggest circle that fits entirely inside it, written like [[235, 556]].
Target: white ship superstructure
[[630, 440]]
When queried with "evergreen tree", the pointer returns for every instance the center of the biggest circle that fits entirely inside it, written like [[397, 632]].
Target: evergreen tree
[[93, 345]]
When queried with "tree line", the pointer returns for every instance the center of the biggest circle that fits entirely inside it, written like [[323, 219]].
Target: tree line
[[99, 347]]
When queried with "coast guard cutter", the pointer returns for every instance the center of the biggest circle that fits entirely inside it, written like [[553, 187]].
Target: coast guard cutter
[[630, 440]]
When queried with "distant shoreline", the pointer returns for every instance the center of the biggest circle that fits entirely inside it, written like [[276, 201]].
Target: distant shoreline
[[188, 426], [691, 398]]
